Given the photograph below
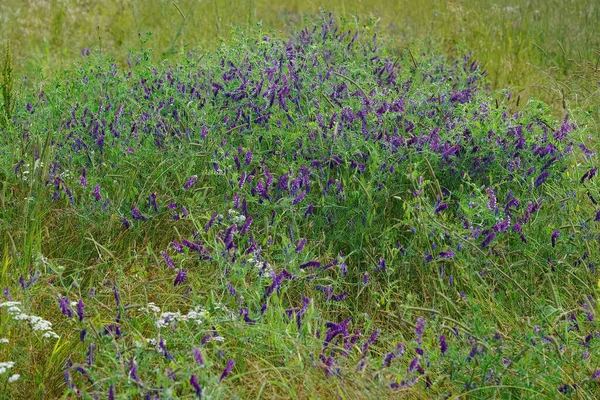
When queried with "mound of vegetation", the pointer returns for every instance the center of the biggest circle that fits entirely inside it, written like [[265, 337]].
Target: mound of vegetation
[[308, 217]]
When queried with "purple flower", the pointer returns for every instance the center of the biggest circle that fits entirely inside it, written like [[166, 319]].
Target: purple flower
[[299, 198], [96, 192], [373, 336], [246, 226], [112, 329], [248, 158], [227, 369], [137, 214], [83, 180], [555, 236], [488, 239], [152, 201], [196, 386], [177, 246], [65, 308], [168, 259], [247, 319], [231, 289], [420, 327], [190, 182], [211, 222], [311, 264], [125, 222], [596, 374], [541, 178], [80, 312], [198, 356], [492, 198], [446, 254], [82, 334], [414, 364], [381, 265], [163, 349], [441, 207], [589, 174], [90, 354], [117, 295], [6, 292], [180, 278], [366, 277], [133, 371], [300, 245], [111, 393], [443, 344], [309, 210]]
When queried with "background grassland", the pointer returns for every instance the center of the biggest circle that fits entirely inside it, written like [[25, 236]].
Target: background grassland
[[546, 48]]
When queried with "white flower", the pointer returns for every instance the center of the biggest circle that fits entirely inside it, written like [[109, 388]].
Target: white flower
[[5, 366], [218, 338], [13, 378], [3, 340], [10, 303]]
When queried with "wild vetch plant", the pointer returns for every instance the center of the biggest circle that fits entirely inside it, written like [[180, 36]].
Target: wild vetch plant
[[296, 217]]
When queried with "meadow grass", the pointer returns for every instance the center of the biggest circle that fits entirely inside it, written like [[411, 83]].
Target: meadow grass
[[545, 49], [306, 214]]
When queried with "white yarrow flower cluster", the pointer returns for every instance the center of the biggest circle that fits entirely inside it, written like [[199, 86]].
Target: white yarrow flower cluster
[[236, 217], [37, 323], [5, 366], [197, 315], [151, 307], [13, 378]]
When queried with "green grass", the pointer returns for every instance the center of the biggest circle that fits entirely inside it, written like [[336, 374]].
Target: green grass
[[525, 308], [542, 48]]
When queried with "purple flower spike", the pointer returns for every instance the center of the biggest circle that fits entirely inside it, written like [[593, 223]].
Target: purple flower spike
[[555, 236], [180, 278], [299, 198], [419, 329], [168, 259], [190, 182], [163, 349], [111, 393], [311, 264], [90, 354], [366, 277], [65, 308], [309, 210], [381, 266], [541, 178], [443, 344], [198, 356], [126, 223], [80, 311], [488, 239], [6, 292], [446, 254], [196, 386], [300, 246], [117, 295], [96, 192], [211, 222], [246, 226], [440, 208], [227, 370], [137, 214], [133, 371]]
